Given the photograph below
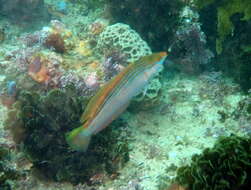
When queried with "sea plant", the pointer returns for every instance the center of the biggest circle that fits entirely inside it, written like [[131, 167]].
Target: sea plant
[[226, 24], [45, 118], [225, 10], [226, 166]]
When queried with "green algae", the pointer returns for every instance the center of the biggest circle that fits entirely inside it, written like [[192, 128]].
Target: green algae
[[45, 120], [225, 10], [225, 26], [203, 3], [225, 166]]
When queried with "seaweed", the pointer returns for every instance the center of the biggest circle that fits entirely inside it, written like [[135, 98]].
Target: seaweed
[[227, 25], [46, 118], [226, 166]]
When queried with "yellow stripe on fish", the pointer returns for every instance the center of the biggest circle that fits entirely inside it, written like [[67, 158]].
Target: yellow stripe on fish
[[113, 98]]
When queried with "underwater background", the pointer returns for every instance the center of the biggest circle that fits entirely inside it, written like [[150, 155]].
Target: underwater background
[[189, 129]]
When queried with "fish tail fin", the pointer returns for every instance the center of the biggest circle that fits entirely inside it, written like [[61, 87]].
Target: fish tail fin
[[79, 139]]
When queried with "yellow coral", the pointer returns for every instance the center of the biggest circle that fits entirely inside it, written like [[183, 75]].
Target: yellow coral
[[94, 65], [83, 48], [67, 34]]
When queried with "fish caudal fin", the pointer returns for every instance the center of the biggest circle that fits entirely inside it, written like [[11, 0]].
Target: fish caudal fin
[[79, 139]]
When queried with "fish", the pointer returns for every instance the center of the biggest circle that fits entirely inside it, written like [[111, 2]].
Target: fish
[[11, 88], [9, 97], [113, 98]]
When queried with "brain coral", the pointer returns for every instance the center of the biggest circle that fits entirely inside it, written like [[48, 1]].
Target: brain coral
[[121, 37]]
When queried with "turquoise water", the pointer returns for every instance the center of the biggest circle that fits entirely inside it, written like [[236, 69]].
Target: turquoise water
[[58, 56]]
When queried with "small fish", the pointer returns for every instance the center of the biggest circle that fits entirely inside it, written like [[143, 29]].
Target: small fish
[[61, 7], [8, 99], [11, 88], [113, 98]]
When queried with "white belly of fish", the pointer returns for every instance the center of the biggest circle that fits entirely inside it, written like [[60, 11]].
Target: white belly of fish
[[119, 101]]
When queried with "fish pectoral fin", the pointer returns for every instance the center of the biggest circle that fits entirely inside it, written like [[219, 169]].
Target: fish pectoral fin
[[144, 90], [83, 119]]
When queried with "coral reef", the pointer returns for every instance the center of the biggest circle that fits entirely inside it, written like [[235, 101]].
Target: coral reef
[[242, 113], [38, 69], [124, 39], [189, 50], [225, 166], [35, 67], [44, 124], [113, 63], [97, 26], [55, 41], [48, 76], [9, 173], [58, 37], [155, 21]]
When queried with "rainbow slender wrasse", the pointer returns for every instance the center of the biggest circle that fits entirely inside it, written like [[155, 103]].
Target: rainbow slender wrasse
[[113, 98]]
